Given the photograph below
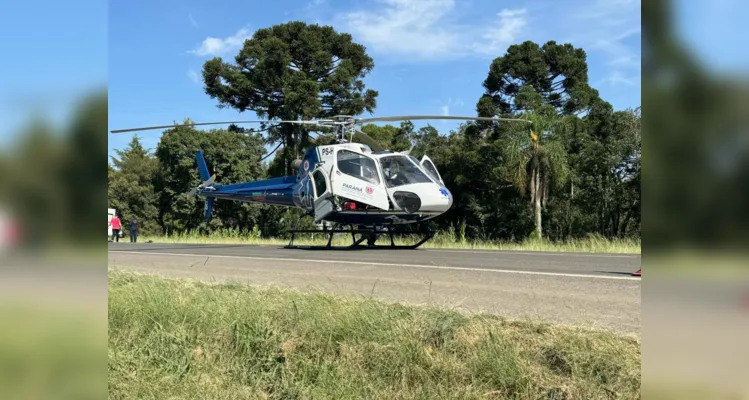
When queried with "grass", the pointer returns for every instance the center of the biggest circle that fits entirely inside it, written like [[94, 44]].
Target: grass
[[51, 352], [185, 339], [443, 240]]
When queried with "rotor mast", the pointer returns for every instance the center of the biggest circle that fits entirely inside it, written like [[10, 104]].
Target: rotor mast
[[342, 125]]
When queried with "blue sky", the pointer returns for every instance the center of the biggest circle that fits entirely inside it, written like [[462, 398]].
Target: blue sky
[[53, 51], [711, 31], [430, 56]]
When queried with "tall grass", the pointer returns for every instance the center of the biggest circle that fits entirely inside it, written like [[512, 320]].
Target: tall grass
[[192, 340], [448, 239]]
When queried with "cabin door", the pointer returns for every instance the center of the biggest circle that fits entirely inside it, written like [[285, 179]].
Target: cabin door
[[356, 176], [323, 200], [429, 167]]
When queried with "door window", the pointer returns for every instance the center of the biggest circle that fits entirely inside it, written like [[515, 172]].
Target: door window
[[357, 165], [320, 185]]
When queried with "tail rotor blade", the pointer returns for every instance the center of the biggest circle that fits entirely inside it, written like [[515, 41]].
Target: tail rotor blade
[[210, 180]]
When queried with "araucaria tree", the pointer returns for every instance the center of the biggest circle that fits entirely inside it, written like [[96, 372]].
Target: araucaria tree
[[529, 75], [294, 71], [545, 84]]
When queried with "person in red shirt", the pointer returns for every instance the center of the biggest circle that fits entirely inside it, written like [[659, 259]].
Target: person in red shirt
[[116, 226]]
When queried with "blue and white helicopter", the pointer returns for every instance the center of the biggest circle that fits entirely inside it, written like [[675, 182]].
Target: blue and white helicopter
[[346, 183]]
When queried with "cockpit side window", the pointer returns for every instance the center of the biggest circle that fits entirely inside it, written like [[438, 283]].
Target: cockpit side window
[[358, 165], [432, 171]]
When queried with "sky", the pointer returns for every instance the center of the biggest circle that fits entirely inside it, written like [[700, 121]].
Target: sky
[[429, 59], [430, 56], [709, 29], [50, 58]]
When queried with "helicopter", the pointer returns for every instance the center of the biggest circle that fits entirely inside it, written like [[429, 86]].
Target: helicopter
[[359, 184]]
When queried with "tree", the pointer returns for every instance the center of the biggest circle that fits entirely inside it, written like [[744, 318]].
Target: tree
[[529, 75], [536, 160], [131, 186], [604, 155], [36, 170], [486, 206], [293, 71], [84, 176], [392, 137], [233, 156]]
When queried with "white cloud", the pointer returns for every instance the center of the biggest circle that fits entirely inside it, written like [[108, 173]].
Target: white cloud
[[192, 20], [498, 38], [428, 29], [193, 75], [405, 27], [445, 107], [618, 78], [420, 30], [212, 46], [604, 27]]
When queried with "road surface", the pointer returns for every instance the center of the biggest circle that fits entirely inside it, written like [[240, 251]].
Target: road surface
[[592, 290]]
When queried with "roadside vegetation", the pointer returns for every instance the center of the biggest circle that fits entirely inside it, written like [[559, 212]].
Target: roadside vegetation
[[443, 240], [172, 338]]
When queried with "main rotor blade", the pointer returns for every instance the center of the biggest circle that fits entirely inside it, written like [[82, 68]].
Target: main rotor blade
[[218, 123], [362, 137], [418, 117]]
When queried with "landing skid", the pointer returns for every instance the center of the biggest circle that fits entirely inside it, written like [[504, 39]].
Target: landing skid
[[357, 243]]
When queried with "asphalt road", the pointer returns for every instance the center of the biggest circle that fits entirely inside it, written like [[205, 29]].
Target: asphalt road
[[582, 289]]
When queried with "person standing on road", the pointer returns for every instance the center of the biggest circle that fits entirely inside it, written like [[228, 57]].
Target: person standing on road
[[133, 230], [116, 226]]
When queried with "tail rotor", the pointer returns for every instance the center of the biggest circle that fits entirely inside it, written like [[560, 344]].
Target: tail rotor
[[205, 185]]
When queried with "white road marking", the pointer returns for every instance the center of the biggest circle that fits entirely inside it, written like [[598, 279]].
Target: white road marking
[[505, 271], [532, 253]]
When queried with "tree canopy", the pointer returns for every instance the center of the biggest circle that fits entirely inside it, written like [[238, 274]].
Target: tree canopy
[[529, 76], [294, 71]]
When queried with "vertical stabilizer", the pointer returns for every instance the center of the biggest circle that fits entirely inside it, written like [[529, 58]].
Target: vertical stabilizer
[[202, 166]]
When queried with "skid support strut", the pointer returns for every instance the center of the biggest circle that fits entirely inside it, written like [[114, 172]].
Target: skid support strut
[[356, 243]]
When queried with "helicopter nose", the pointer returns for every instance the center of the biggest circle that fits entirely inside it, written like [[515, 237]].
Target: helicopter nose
[[424, 197], [440, 201], [447, 198]]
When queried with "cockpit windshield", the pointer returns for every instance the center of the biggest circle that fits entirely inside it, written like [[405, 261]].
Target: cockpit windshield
[[399, 170]]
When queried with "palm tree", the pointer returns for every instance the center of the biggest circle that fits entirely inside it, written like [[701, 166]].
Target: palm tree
[[536, 159]]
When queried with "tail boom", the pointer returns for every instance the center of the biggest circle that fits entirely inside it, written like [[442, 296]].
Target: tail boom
[[275, 191]]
